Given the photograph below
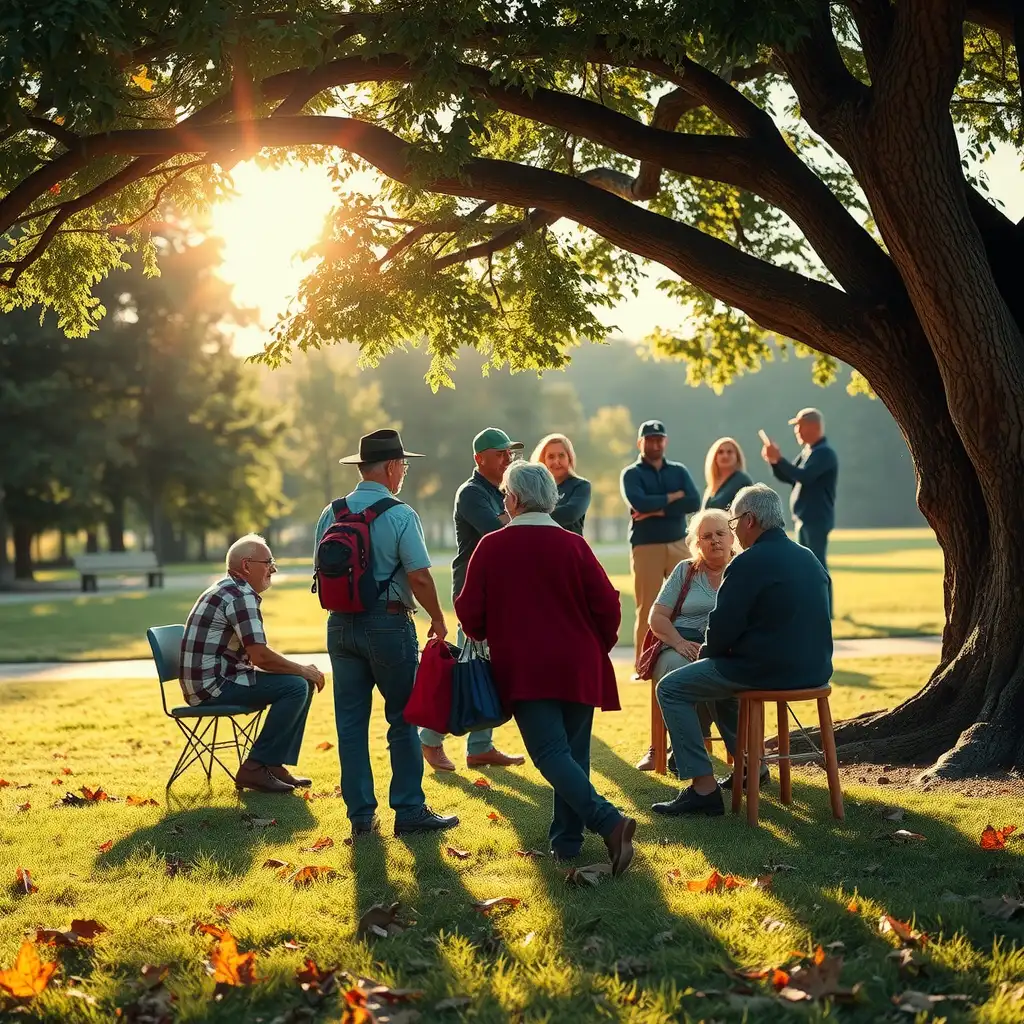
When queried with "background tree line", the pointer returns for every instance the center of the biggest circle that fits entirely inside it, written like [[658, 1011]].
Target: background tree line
[[152, 424]]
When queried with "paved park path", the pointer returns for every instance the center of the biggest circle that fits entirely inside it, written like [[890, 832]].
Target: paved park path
[[142, 668]]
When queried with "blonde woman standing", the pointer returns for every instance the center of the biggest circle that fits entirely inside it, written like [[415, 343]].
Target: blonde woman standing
[[557, 453], [724, 473], [712, 543]]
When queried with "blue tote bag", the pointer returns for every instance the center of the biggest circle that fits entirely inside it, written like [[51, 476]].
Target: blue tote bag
[[475, 701]]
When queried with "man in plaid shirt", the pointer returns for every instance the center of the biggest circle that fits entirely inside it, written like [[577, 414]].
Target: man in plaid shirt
[[225, 660]]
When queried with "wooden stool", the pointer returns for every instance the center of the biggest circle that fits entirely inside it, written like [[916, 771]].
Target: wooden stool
[[659, 736], [750, 747]]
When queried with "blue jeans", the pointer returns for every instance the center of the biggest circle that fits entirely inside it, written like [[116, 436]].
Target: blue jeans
[[815, 539], [679, 692], [476, 742], [557, 738], [367, 650], [289, 698]]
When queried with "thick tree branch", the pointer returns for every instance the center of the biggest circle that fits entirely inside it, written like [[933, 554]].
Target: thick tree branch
[[874, 23], [996, 15]]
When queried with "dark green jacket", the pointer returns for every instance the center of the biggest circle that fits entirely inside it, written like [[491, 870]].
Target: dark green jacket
[[722, 498], [646, 489], [573, 502], [770, 627], [478, 503]]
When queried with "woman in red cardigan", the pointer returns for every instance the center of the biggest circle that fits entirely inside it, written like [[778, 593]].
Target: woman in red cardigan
[[539, 597]]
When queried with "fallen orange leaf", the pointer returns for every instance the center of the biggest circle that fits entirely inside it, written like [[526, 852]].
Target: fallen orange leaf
[[486, 906], [106, 847], [94, 795], [80, 931], [311, 873], [25, 806], [715, 882], [494, 816], [819, 955], [780, 979], [140, 801], [326, 745], [23, 881], [853, 906], [213, 930], [66, 771], [231, 967], [323, 843], [995, 838], [763, 881], [887, 923], [29, 975], [455, 852], [56, 782], [4, 783], [482, 783]]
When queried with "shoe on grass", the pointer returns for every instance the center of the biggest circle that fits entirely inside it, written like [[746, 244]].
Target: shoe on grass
[[689, 801], [426, 821], [437, 758]]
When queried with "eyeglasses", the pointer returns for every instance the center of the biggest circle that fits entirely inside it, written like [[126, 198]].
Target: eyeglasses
[[736, 519], [264, 561]]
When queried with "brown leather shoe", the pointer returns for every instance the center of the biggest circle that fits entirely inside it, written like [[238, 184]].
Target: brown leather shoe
[[493, 757], [646, 763], [262, 779], [295, 781], [437, 758], [620, 845]]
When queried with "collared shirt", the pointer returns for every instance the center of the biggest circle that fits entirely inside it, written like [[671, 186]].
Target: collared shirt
[[223, 622], [646, 489], [396, 539], [813, 475], [478, 504]]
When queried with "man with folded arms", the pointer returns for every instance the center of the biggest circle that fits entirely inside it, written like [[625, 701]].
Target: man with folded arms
[[225, 660]]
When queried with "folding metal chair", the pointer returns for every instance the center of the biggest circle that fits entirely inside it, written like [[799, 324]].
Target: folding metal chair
[[199, 724]]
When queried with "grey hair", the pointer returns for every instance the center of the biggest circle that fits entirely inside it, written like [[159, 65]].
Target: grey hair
[[533, 486], [693, 530], [244, 547], [763, 503], [371, 468]]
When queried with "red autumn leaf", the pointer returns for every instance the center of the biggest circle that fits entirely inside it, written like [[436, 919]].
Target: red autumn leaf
[[313, 872], [275, 863], [56, 782], [779, 978], [494, 816], [29, 975], [80, 931], [453, 851], [25, 806], [317, 982], [231, 967], [486, 906], [995, 838], [323, 843], [87, 929], [23, 881], [106, 847], [94, 795], [4, 783], [54, 189], [213, 930], [326, 745], [226, 910], [853, 906], [763, 881], [66, 771], [902, 930], [307, 795], [140, 801], [715, 883], [674, 875], [482, 783]]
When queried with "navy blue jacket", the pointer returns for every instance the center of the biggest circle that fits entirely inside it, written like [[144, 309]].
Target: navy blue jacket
[[813, 477], [722, 498], [573, 503], [478, 504], [646, 489], [771, 627]]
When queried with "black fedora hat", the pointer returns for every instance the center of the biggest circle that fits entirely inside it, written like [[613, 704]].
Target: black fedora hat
[[380, 446]]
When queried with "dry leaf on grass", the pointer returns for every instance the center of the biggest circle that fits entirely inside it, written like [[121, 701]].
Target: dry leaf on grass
[[715, 883], [4, 783], [995, 838], [453, 1003], [818, 980], [140, 801], [230, 967], [273, 862], [253, 822], [853, 907], [903, 931], [93, 796], [175, 866], [530, 853], [29, 975], [326, 745], [154, 1005], [772, 925], [591, 874], [24, 807], [1005, 908], [901, 836], [382, 922], [66, 771], [482, 783], [911, 962], [315, 982], [494, 816], [80, 931], [311, 873], [56, 782], [922, 1002], [106, 847], [763, 882], [23, 884], [486, 906], [323, 843], [458, 854]]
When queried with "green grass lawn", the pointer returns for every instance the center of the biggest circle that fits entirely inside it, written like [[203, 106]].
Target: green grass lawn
[[639, 949], [887, 583]]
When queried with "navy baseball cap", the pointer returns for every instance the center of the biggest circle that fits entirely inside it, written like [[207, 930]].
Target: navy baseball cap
[[651, 428]]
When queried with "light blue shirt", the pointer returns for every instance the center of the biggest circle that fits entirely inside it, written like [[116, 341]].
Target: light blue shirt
[[700, 598], [396, 539]]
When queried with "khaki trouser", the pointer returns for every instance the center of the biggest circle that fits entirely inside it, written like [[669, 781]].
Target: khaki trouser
[[651, 564]]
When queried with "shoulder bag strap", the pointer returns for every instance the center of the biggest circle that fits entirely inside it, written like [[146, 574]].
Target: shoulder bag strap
[[691, 571]]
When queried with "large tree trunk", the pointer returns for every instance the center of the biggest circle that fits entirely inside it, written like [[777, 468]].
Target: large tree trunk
[[23, 533], [114, 523]]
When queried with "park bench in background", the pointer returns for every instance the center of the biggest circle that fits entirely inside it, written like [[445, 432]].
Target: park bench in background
[[119, 563]]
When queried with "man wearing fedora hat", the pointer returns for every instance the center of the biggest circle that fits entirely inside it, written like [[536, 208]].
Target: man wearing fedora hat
[[378, 647], [479, 510]]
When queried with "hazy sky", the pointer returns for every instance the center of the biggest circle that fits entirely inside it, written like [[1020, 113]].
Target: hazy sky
[[278, 213]]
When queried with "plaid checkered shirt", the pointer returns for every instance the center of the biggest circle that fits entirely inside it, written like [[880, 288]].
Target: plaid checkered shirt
[[224, 620]]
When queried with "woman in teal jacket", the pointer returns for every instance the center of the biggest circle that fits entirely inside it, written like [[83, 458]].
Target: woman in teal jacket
[[724, 472], [557, 453]]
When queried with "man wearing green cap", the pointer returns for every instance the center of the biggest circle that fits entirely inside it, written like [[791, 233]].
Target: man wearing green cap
[[479, 510]]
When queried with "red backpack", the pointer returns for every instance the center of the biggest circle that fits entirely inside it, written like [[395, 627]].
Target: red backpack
[[343, 574]]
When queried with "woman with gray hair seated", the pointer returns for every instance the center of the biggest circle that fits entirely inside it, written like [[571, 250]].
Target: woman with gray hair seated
[[539, 597]]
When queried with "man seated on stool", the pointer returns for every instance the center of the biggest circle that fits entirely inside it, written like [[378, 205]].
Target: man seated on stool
[[770, 630], [224, 646]]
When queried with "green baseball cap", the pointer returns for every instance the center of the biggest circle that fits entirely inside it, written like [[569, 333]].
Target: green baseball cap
[[492, 437]]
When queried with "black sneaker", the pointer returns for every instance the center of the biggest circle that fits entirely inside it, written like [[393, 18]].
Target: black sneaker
[[689, 801], [765, 778], [426, 821], [365, 828]]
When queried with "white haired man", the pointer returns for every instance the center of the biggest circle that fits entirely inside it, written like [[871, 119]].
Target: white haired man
[[770, 629], [225, 659]]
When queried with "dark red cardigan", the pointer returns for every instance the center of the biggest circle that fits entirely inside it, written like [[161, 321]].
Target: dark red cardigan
[[549, 613]]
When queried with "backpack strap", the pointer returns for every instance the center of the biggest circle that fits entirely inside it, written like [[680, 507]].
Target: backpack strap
[[339, 507], [378, 508]]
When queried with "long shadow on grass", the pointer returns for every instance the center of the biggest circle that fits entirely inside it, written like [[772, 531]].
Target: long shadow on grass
[[192, 830]]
